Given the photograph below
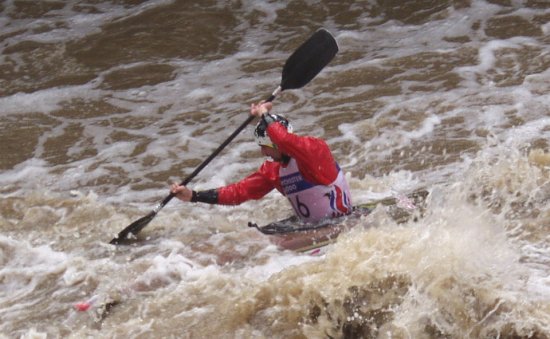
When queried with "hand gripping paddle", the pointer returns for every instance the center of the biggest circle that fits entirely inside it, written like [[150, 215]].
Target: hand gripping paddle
[[299, 69]]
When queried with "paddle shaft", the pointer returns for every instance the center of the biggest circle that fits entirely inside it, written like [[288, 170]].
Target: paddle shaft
[[213, 155]]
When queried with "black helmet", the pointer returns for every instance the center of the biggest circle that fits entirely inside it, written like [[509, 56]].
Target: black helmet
[[260, 131]]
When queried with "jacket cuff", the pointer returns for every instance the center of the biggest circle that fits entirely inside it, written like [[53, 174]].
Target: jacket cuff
[[268, 118], [208, 196]]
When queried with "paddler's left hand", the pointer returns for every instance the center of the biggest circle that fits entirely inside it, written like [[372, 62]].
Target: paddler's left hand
[[181, 192]]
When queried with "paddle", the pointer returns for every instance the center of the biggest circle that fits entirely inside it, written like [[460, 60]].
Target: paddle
[[302, 66]]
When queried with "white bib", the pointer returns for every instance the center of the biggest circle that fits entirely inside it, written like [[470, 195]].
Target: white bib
[[313, 202]]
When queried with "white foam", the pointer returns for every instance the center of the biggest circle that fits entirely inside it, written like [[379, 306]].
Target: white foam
[[25, 172], [192, 246], [76, 24], [46, 100], [426, 128], [24, 267]]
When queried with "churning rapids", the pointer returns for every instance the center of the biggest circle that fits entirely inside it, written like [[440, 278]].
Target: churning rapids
[[103, 104]]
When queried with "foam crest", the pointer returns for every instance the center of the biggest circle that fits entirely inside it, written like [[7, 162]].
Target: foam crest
[[26, 271], [421, 95]]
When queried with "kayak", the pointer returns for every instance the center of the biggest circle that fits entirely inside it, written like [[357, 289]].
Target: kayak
[[293, 234]]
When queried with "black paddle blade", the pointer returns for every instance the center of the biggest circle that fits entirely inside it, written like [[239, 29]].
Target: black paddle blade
[[133, 229], [308, 60]]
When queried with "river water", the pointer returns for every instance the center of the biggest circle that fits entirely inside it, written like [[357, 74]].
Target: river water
[[103, 104]]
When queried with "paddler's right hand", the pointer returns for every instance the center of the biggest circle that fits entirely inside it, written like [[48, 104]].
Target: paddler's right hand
[[181, 192], [261, 108]]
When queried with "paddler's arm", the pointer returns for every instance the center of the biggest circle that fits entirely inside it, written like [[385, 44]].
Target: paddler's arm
[[253, 187], [313, 155], [185, 194]]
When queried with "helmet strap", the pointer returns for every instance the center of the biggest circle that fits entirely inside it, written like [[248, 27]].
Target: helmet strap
[[285, 159]]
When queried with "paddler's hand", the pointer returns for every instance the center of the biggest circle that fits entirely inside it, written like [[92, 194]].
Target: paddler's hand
[[181, 192], [260, 108]]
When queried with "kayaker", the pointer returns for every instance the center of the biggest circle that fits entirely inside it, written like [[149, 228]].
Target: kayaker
[[302, 168]]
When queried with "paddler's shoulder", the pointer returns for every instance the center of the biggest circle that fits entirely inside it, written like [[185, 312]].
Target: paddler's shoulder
[[269, 168]]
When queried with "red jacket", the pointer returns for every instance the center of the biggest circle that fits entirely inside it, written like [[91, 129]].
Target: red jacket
[[312, 155]]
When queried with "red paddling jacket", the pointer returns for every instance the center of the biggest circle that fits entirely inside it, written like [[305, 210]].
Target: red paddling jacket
[[311, 180]]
